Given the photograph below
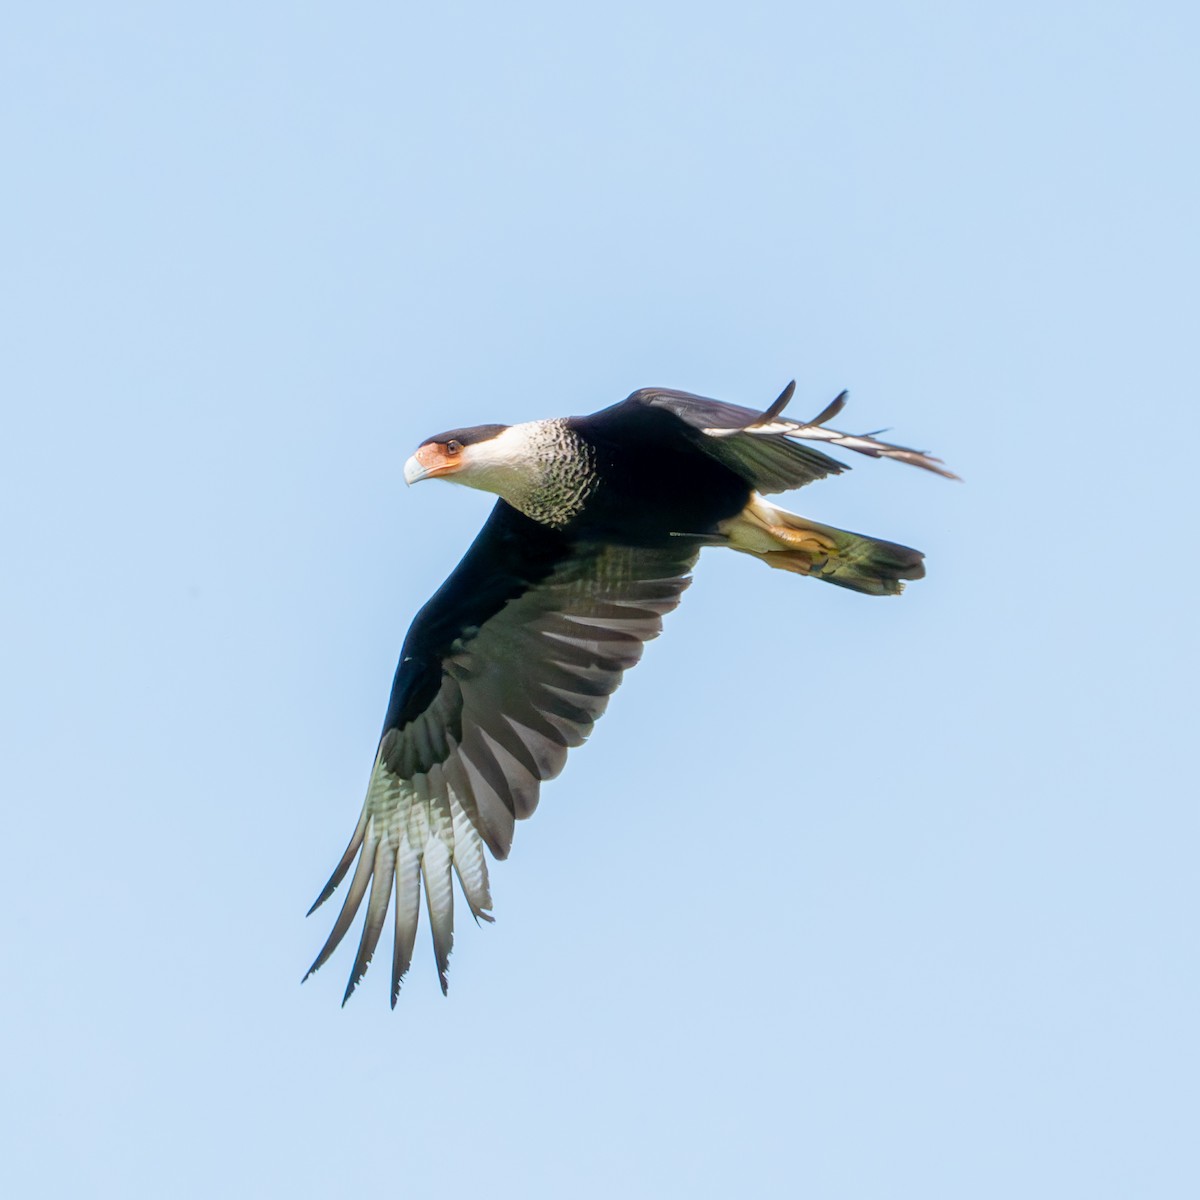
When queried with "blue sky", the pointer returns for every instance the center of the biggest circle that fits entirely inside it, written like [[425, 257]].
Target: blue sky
[[846, 898]]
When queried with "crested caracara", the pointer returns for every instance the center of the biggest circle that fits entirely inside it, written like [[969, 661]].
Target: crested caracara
[[598, 526]]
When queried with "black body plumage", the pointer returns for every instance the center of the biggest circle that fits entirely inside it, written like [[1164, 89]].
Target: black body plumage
[[653, 481]]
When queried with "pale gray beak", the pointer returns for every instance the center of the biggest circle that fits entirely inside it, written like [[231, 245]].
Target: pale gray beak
[[413, 471]]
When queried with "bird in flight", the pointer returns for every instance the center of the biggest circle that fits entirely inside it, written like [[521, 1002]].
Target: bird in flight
[[598, 526]]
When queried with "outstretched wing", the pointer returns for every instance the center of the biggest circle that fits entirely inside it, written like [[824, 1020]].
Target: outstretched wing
[[758, 445], [508, 666]]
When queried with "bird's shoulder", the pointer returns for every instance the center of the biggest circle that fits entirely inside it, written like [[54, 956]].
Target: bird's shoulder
[[698, 412]]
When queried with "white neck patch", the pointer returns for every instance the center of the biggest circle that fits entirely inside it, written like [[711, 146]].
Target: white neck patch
[[541, 468]]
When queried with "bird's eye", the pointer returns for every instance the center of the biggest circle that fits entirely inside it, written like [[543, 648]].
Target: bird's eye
[[453, 447]]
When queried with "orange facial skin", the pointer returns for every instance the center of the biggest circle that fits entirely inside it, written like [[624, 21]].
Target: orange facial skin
[[439, 458]]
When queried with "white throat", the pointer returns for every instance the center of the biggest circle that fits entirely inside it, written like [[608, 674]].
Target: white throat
[[541, 468], [507, 465]]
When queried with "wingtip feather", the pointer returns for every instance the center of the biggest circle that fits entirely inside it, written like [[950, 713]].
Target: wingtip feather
[[407, 914], [439, 900], [781, 402], [382, 875], [832, 409], [339, 872]]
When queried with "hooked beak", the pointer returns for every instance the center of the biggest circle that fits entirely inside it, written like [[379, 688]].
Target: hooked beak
[[430, 462], [415, 471]]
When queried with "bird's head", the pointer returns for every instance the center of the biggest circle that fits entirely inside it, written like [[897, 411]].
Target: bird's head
[[539, 467], [461, 455]]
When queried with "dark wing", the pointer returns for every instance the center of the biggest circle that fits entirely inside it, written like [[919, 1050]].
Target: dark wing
[[508, 666], [758, 445], [768, 463]]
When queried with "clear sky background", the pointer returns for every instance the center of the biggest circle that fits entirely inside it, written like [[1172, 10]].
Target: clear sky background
[[846, 898]]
